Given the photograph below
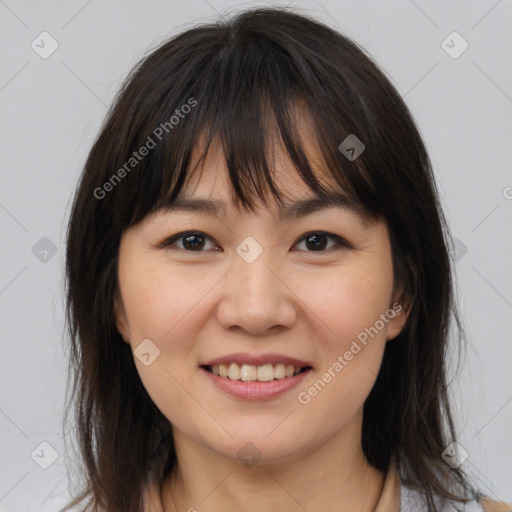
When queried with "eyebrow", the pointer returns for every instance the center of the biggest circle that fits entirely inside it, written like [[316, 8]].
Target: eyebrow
[[297, 209]]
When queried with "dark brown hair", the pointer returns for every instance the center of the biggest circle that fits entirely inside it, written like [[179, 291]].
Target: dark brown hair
[[233, 77]]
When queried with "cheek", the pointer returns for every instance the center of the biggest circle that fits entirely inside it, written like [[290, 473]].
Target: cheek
[[347, 302], [166, 307], [348, 308], [167, 385], [350, 356], [158, 302], [160, 307]]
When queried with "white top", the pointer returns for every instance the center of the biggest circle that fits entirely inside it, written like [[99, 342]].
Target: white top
[[411, 501]]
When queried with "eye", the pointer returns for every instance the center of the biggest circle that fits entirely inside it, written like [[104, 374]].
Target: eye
[[196, 241], [319, 241], [190, 241]]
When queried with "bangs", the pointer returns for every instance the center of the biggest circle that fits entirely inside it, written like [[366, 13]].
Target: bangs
[[253, 94], [251, 138]]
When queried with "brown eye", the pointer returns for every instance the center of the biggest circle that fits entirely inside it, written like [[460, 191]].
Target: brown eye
[[319, 241], [190, 241]]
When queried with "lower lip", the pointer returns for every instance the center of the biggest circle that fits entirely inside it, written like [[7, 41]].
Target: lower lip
[[256, 390]]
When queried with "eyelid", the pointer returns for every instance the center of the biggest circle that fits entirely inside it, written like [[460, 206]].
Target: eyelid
[[340, 241], [173, 238]]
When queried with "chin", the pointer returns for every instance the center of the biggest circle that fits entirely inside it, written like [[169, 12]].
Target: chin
[[253, 445]]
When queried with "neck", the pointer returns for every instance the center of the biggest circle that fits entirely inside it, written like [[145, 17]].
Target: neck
[[336, 472]]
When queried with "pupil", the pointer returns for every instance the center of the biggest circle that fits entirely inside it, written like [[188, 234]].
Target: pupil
[[318, 242], [316, 245], [187, 241]]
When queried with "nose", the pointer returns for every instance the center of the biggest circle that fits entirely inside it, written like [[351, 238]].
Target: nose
[[256, 297]]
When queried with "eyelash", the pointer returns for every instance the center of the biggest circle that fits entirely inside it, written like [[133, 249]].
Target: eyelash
[[340, 242]]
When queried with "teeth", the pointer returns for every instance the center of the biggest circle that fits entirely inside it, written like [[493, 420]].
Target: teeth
[[249, 372], [234, 371], [279, 371], [265, 373]]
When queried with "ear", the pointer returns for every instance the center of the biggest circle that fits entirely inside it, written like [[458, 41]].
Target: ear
[[398, 313], [121, 318]]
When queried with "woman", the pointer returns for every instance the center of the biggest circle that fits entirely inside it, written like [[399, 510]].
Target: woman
[[259, 285]]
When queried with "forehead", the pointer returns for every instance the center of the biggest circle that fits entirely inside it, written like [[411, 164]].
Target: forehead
[[208, 189], [209, 176]]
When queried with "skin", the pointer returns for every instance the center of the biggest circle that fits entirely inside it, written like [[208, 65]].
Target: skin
[[196, 306]]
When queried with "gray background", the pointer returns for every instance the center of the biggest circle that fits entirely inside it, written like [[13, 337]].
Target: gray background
[[52, 109]]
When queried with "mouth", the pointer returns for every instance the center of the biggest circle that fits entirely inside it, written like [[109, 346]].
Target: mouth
[[253, 373], [247, 376]]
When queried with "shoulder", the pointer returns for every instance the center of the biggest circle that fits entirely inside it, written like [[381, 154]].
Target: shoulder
[[413, 501], [495, 506]]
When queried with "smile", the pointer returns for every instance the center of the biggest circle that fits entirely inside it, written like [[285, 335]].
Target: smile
[[250, 373], [251, 388]]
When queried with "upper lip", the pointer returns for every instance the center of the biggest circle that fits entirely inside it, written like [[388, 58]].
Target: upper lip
[[256, 360]]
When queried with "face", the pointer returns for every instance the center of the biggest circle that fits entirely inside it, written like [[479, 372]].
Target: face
[[260, 296]]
